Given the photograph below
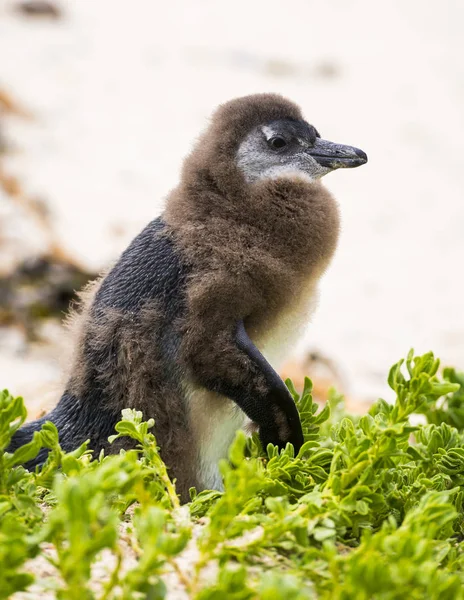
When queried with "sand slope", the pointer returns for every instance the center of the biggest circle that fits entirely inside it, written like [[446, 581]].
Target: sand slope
[[120, 89]]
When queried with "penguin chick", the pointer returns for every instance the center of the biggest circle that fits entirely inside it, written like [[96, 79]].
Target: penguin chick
[[179, 328]]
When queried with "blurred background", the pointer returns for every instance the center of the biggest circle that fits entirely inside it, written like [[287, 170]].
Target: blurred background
[[100, 100]]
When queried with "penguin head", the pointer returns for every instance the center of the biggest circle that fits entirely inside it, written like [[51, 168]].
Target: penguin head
[[259, 137], [289, 147]]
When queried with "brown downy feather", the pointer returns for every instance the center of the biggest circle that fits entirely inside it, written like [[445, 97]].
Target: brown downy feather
[[255, 250], [130, 370]]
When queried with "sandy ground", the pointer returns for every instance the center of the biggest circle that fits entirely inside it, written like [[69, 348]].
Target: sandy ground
[[119, 90]]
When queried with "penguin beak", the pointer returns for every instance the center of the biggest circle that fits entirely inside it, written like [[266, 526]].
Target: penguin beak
[[336, 156]]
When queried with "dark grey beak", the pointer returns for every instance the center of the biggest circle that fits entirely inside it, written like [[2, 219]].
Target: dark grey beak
[[337, 156]]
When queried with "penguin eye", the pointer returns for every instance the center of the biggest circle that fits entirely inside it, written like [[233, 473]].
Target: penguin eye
[[277, 142]]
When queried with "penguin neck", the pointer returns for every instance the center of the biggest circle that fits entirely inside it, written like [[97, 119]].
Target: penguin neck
[[288, 220]]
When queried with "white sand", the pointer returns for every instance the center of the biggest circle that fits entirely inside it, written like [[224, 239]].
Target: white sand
[[120, 89]]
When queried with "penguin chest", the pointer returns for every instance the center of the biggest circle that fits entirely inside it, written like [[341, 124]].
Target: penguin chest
[[278, 333]]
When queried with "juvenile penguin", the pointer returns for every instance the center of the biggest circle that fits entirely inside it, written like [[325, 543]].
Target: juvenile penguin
[[180, 326]]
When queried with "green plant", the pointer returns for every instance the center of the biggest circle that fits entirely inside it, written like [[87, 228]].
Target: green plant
[[371, 507]]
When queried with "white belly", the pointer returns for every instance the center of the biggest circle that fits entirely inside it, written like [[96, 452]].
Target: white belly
[[214, 420]]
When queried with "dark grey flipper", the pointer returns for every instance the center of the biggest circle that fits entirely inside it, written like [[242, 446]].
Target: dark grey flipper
[[261, 394]]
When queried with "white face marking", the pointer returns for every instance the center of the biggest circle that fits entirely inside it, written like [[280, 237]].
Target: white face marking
[[286, 172], [268, 132], [257, 161]]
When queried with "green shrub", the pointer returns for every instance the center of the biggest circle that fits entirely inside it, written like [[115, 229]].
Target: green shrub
[[370, 508]]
